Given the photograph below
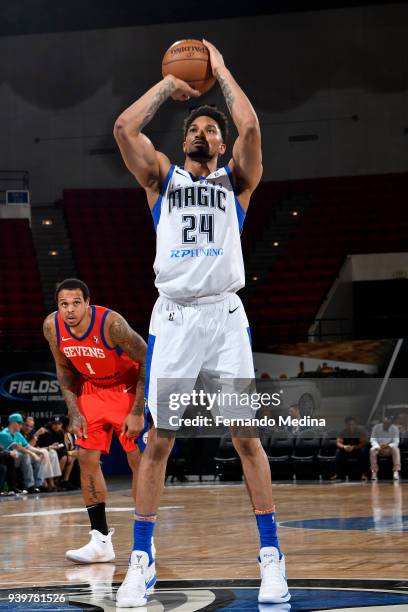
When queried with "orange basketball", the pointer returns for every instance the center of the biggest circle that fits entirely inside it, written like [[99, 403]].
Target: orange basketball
[[189, 61]]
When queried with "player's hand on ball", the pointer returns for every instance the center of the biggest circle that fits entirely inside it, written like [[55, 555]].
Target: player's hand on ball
[[77, 426], [216, 59], [183, 90], [133, 425]]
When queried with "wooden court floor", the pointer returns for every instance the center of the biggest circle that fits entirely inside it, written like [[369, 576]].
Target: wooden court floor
[[208, 532]]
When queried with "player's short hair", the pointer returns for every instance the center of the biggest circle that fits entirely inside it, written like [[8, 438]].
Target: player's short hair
[[72, 283], [208, 111]]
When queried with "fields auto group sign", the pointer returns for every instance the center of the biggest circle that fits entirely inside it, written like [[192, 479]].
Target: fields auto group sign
[[30, 386]]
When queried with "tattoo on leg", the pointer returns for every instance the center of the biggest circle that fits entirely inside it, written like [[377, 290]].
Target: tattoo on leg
[[226, 90], [91, 488]]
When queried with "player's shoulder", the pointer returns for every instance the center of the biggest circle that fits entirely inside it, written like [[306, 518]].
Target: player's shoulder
[[49, 326], [49, 321], [114, 320], [112, 315], [117, 329]]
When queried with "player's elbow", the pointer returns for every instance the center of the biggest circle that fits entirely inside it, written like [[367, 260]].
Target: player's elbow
[[250, 129], [121, 129], [250, 134], [118, 130]]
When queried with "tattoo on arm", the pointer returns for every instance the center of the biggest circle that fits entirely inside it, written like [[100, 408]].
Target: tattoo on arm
[[137, 408], [164, 92], [124, 336], [226, 90], [68, 382]]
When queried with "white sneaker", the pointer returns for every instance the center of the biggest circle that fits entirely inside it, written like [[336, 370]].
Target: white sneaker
[[139, 581], [396, 475], [98, 550], [274, 588], [374, 477]]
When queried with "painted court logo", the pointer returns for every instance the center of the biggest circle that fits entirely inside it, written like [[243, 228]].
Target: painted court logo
[[394, 523]]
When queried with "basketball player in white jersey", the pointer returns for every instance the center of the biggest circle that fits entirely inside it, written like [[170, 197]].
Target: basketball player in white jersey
[[198, 324]]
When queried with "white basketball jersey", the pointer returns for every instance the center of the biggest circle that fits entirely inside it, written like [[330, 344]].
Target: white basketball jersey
[[198, 223]]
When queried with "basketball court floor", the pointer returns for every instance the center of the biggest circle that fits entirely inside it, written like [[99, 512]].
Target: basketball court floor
[[346, 546]]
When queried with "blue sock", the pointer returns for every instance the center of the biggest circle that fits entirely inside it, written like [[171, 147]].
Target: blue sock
[[268, 535], [143, 533]]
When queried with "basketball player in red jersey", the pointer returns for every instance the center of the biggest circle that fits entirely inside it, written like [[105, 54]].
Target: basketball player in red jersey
[[100, 363]]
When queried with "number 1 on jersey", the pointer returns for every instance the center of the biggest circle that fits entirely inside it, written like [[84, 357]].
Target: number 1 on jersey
[[88, 365]]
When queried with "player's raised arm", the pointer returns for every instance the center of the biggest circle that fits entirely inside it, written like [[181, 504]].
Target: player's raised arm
[[119, 333], [148, 165], [68, 379], [246, 163]]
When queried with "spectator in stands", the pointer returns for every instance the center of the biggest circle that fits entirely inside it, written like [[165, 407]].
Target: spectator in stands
[[72, 451], [27, 461], [3, 473], [294, 413], [351, 442], [8, 471], [402, 422], [385, 442], [325, 369], [54, 436], [48, 454]]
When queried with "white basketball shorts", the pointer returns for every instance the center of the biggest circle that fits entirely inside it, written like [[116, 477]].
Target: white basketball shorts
[[212, 340]]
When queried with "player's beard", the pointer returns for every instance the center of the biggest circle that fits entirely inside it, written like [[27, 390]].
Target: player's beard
[[200, 153]]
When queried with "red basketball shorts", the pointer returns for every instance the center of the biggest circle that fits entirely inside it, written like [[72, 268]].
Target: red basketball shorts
[[105, 412]]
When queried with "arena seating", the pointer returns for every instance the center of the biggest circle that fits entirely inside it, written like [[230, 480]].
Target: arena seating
[[327, 454], [263, 204], [21, 302], [305, 453], [113, 241], [227, 463], [347, 215], [279, 450]]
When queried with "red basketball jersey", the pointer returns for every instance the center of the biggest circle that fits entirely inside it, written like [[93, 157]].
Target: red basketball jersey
[[98, 363]]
